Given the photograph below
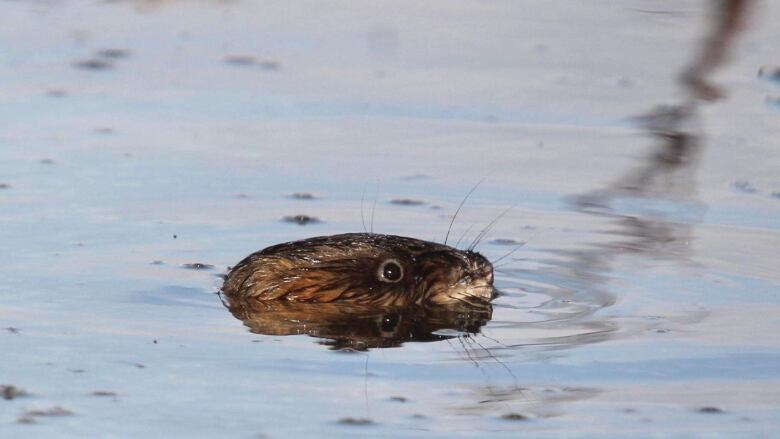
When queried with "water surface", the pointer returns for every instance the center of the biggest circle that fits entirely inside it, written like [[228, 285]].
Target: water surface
[[140, 138]]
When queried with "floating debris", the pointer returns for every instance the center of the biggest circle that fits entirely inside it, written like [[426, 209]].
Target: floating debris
[[398, 399], [356, 421], [506, 241], [5, 186], [301, 220], [104, 130], [710, 410], [302, 196], [515, 417], [241, 60], [46, 161], [51, 411], [251, 61], [197, 266], [406, 202], [11, 392], [744, 186], [103, 393], [93, 64]]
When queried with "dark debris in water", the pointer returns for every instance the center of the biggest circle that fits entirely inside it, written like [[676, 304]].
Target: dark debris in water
[[241, 60], [302, 196], [46, 161], [514, 417], [506, 241], [356, 421], [399, 399], [55, 411], [744, 187], [710, 410], [104, 393], [5, 186], [407, 202], [301, 219], [251, 61], [29, 416], [93, 64], [10, 392], [197, 266]]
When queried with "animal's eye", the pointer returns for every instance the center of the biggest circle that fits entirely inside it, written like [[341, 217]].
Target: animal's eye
[[390, 271], [389, 323]]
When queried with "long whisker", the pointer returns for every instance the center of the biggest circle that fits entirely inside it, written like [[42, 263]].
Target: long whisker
[[455, 215], [468, 352], [373, 208], [362, 215], [463, 235], [519, 246], [488, 228], [493, 356]]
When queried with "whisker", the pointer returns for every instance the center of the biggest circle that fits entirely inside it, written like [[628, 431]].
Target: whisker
[[455, 215], [519, 246], [362, 215], [463, 236], [488, 228], [373, 208], [493, 356], [468, 352]]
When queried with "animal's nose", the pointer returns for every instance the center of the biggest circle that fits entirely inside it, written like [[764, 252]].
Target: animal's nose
[[485, 271]]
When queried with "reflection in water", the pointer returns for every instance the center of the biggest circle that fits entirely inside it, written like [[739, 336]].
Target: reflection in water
[[652, 209], [356, 327]]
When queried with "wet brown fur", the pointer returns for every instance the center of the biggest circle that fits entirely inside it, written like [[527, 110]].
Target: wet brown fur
[[344, 268]]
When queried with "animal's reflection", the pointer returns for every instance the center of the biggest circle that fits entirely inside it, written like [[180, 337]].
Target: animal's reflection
[[350, 326]]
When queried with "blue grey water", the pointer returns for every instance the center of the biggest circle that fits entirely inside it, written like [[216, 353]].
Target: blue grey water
[[644, 303]]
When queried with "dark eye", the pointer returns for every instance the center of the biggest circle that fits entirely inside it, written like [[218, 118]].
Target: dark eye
[[389, 322], [390, 271]]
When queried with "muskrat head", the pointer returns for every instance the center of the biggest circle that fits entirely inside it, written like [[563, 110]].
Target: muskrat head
[[363, 268]]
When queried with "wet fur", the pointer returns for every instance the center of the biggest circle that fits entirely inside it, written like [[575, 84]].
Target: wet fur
[[343, 268]]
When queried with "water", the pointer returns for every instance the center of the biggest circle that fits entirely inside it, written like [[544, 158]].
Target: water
[[644, 302]]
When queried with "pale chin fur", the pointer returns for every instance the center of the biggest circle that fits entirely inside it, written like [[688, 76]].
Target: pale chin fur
[[464, 294]]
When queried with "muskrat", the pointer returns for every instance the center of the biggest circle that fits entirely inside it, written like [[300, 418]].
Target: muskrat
[[363, 268]]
